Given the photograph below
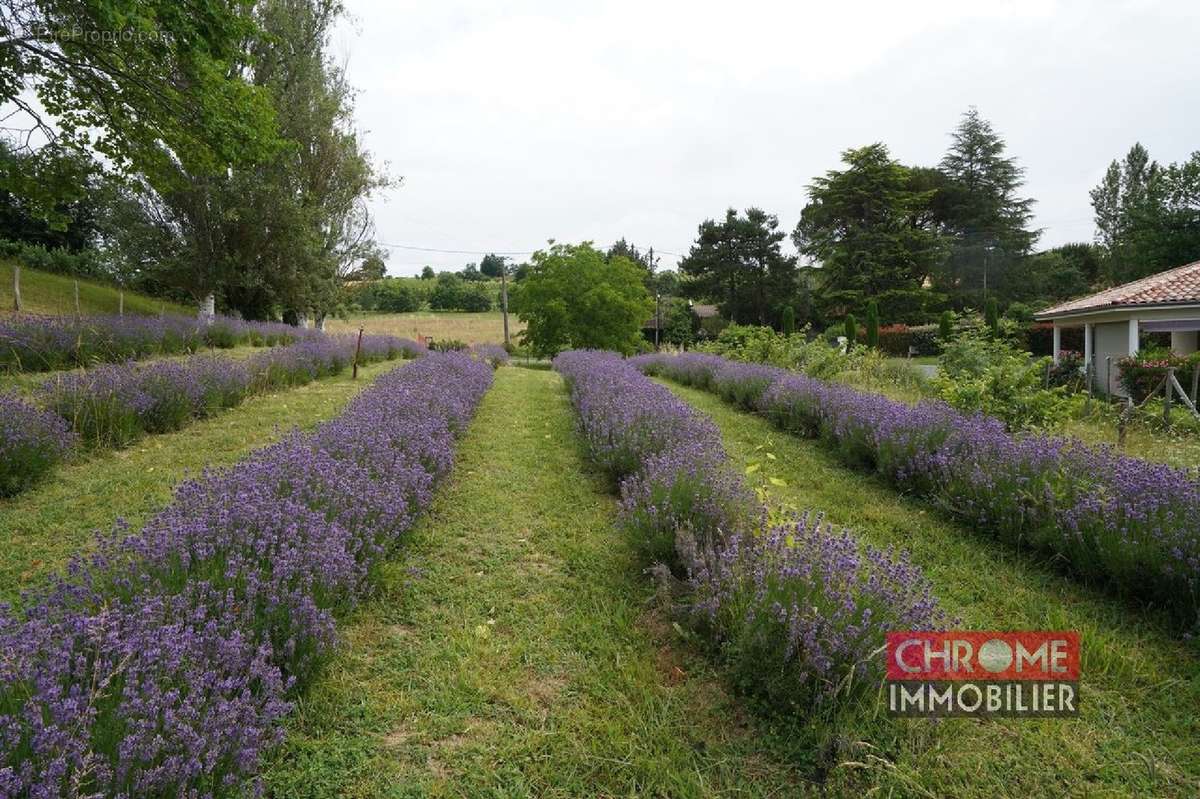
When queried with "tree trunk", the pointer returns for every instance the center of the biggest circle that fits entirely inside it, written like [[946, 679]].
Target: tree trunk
[[208, 307]]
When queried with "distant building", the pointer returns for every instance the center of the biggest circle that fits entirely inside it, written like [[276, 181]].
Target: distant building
[[1114, 319]]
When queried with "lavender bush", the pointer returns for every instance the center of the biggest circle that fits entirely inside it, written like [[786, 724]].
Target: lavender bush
[[801, 610], [494, 354], [112, 405], [667, 460], [32, 442], [162, 664], [1128, 523], [33, 343], [798, 611]]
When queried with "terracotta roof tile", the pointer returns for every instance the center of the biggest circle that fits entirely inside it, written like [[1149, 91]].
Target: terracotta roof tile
[[1178, 285]]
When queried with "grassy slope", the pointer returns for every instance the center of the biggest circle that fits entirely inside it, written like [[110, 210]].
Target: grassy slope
[[486, 327], [41, 528], [510, 651], [1140, 729], [47, 293]]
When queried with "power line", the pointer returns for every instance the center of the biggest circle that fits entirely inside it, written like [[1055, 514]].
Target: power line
[[456, 252]]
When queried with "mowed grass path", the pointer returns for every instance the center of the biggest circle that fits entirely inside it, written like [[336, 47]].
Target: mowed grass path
[[1139, 734], [43, 527], [512, 650]]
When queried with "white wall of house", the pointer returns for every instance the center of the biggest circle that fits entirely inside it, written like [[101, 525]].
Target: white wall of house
[[1184, 342], [1110, 343]]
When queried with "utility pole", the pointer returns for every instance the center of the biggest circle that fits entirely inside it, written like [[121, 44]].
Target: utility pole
[[504, 298], [657, 316]]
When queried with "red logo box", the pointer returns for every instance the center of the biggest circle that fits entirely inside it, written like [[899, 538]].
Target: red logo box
[[969, 655]]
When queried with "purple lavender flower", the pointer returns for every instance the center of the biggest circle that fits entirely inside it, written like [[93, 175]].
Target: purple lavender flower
[[163, 663], [32, 442]]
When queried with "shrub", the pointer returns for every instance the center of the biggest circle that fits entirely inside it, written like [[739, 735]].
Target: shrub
[[1143, 373], [798, 611], [801, 610], [164, 664], [787, 324], [873, 324], [1127, 523], [946, 326], [850, 330], [32, 442], [982, 375]]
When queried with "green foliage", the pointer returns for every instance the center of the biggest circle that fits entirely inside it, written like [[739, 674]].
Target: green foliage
[[574, 297], [872, 324], [680, 325], [850, 330], [452, 293], [991, 316], [492, 265], [978, 209], [1148, 215], [150, 85], [946, 325], [979, 373], [1144, 373], [427, 273], [787, 322], [1019, 312], [866, 225], [738, 263]]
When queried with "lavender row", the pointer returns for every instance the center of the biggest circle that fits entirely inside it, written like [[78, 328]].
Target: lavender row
[[30, 343], [798, 610], [163, 664], [110, 406], [1129, 523]]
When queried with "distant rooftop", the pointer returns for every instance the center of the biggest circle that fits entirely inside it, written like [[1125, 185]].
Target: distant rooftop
[[1177, 286]]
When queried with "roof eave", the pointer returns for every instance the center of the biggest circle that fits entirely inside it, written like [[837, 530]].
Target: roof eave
[[1047, 316]]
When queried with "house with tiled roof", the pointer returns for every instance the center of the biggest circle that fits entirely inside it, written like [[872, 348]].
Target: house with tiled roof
[[1114, 320]]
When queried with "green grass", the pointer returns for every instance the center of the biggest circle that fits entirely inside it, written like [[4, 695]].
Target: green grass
[[41, 528], [484, 327], [47, 293], [512, 649], [1139, 733]]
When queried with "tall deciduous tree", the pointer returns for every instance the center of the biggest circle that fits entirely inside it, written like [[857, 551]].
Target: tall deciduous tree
[[573, 296], [866, 227], [980, 211], [1147, 215], [152, 85], [737, 262], [282, 234]]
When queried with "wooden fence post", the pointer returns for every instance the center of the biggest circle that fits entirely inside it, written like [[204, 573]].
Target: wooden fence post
[[357, 350], [17, 287], [120, 302], [1195, 381], [1167, 391], [77, 311]]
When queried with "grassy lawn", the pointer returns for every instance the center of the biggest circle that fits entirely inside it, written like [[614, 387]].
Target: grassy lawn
[[512, 650], [48, 293], [473, 328], [41, 528], [1139, 732]]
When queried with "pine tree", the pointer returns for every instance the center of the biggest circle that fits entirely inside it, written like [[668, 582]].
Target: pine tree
[[980, 209], [873, 325]]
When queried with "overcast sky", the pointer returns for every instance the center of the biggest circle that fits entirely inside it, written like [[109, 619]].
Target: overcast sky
[[515, 122]]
